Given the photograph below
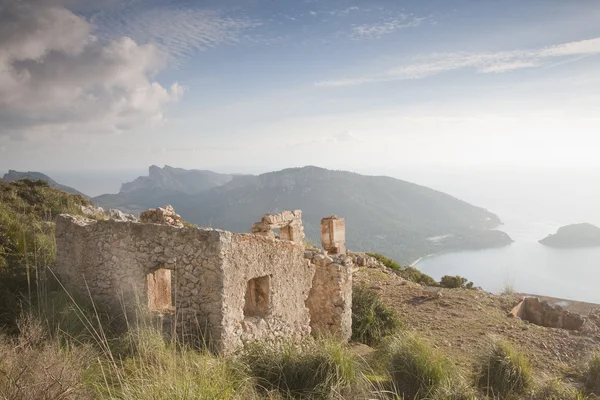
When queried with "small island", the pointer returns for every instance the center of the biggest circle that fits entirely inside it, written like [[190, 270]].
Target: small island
[[576, 235]]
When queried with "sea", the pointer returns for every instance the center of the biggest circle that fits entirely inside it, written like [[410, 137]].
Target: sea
[[531, 205]]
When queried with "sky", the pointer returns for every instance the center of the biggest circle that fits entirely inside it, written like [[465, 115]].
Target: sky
[[252, 86]]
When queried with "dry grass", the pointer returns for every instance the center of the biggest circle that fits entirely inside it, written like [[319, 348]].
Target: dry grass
[[35, 366]]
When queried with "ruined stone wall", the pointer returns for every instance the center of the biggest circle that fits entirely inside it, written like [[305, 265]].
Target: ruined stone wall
[[333, 235], [236, 288], [281, 263], [541, 313], [330, 298], [115, 258]]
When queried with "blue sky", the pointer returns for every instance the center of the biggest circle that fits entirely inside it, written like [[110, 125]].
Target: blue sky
[[252, 85]]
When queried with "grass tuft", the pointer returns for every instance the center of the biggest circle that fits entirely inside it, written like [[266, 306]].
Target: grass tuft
[[372, 320], [556, 390], [315, 370], [418, 371], [503, 372], [591, 375]]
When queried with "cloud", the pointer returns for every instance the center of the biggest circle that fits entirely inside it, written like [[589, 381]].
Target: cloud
[[177, 32], [56, 77], [377, 30], [498, 62]]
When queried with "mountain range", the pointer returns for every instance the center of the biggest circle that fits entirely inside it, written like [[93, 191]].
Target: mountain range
[[400, 219]]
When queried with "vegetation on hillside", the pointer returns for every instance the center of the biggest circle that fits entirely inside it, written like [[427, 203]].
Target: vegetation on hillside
[[407, 272], [27, 212], [455, 282]]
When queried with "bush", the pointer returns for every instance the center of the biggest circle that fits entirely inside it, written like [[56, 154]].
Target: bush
[[503, 372], [591, 375], [371, 318], [417, 371], [36, 367], [409, 273], [455, 282], [313, 370]]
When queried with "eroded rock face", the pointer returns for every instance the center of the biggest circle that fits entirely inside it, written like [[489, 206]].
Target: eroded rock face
[[163, 216], [542, 313]]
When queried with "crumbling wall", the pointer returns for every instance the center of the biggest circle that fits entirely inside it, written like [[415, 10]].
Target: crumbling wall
[[115, 258], [333, 235], [289, 224], [330, 297], [236, 288], [541, 313], [248, 258]]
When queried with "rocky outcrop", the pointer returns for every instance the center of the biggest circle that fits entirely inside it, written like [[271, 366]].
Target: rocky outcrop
[[98, 213], [542, 313], [163, 216]]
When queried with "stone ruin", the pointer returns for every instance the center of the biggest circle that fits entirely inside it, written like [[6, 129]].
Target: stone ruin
[[542, 313], [333, 235], [289, 224], [233, 287]]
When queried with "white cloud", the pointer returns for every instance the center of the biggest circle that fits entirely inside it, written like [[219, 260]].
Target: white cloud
[[175, 31], [377, 30], [498, 62], [56, 77]]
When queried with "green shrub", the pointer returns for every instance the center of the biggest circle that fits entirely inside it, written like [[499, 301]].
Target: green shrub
[[409, 273], [314, 370], [503, 372], [371, 318], [591, 375], [455, 282], [417, 371]]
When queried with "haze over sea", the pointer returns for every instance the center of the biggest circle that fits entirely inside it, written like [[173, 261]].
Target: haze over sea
[[532, 205]]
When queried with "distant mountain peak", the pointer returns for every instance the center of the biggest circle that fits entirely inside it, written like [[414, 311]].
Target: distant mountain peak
[[172, 179]]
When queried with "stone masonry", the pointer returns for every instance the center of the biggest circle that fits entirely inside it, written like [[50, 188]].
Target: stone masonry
[[236, 288], [289, 224], [333, 235]]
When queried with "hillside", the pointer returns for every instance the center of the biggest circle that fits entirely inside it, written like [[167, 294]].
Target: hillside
[[27, 212], [401, 219], [577, 235], [13, 176], [463, 322]]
